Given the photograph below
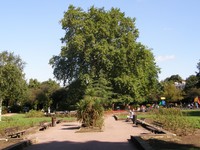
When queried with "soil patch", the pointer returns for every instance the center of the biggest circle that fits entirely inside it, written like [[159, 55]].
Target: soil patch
[[89, 129]]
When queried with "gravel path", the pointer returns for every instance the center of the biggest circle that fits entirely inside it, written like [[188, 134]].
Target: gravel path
[[63, 136]]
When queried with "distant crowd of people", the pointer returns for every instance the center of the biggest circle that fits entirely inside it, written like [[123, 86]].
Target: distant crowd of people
[[197, 101], [144, 108]]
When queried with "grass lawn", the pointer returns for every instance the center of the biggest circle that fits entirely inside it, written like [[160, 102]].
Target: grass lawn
[[23, 122], [192, 115]]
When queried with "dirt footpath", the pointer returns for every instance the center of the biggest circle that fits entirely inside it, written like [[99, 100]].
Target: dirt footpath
[[63, 136]]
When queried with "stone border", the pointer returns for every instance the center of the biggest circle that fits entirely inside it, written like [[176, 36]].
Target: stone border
[[144, 124], [140, 143], [19, 146]]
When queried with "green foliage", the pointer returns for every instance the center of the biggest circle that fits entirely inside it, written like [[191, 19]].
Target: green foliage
[[34, 113], [191, 82], [192, 93], [13, 86], [174, 120], [90, 112], [174, 78], [59, 99], [100, 88], [104, 42], [75, 92], [40, 94], [172, 93]]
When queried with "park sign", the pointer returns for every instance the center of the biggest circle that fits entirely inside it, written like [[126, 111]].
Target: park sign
[[162, 98]]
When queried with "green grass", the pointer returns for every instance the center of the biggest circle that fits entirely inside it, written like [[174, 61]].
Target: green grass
[[191, 112], [193, 116], [123, 116], [24, 123]]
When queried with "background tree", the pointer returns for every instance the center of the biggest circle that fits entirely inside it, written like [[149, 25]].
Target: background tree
[[59, 99], [33, 91], [44, 96], [100, 42], [191, 82], [12, 83], [40, 94], [191, 90], [171, 92], [174, 78]]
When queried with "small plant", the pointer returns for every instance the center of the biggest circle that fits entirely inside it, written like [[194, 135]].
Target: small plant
[[90, 112]]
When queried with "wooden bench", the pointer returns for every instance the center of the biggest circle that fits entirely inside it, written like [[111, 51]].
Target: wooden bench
[[14, 132], [44, 125]]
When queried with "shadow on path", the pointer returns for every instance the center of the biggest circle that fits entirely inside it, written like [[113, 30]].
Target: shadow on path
[[90, 145]]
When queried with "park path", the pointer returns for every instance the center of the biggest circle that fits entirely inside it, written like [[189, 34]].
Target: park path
[[63, 136]]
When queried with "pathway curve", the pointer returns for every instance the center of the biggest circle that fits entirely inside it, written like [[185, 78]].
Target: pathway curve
[[63, 136]]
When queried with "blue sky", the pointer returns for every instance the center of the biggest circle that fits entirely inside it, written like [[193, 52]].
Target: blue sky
[[31, 29]]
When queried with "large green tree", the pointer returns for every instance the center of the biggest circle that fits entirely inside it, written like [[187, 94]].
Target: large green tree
[[104, 42], [12, 83]]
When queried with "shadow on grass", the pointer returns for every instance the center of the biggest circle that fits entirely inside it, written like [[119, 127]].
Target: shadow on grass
[[192, 112]]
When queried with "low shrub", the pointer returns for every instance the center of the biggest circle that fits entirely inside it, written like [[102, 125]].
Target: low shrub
[[173, 120], [34, 113]]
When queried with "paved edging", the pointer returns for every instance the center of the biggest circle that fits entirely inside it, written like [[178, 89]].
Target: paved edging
[[19, 146]]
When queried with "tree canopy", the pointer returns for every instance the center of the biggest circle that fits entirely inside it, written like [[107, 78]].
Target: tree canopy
[[12, 82], [100, 42]]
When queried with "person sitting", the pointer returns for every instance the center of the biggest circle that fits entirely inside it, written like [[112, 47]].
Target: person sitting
[[131, 115]]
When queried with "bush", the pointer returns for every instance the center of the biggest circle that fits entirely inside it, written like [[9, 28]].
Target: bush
[[34, 113], [174, 120], [90, 112]]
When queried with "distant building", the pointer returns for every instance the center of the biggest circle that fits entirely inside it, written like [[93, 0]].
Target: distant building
[[180, 85]]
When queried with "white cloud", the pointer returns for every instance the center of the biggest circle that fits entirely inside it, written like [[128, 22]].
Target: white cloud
[[165, 58]]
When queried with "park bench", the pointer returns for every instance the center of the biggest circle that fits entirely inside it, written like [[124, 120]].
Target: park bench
[[44, 125], [14, 132], [155, 127]]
